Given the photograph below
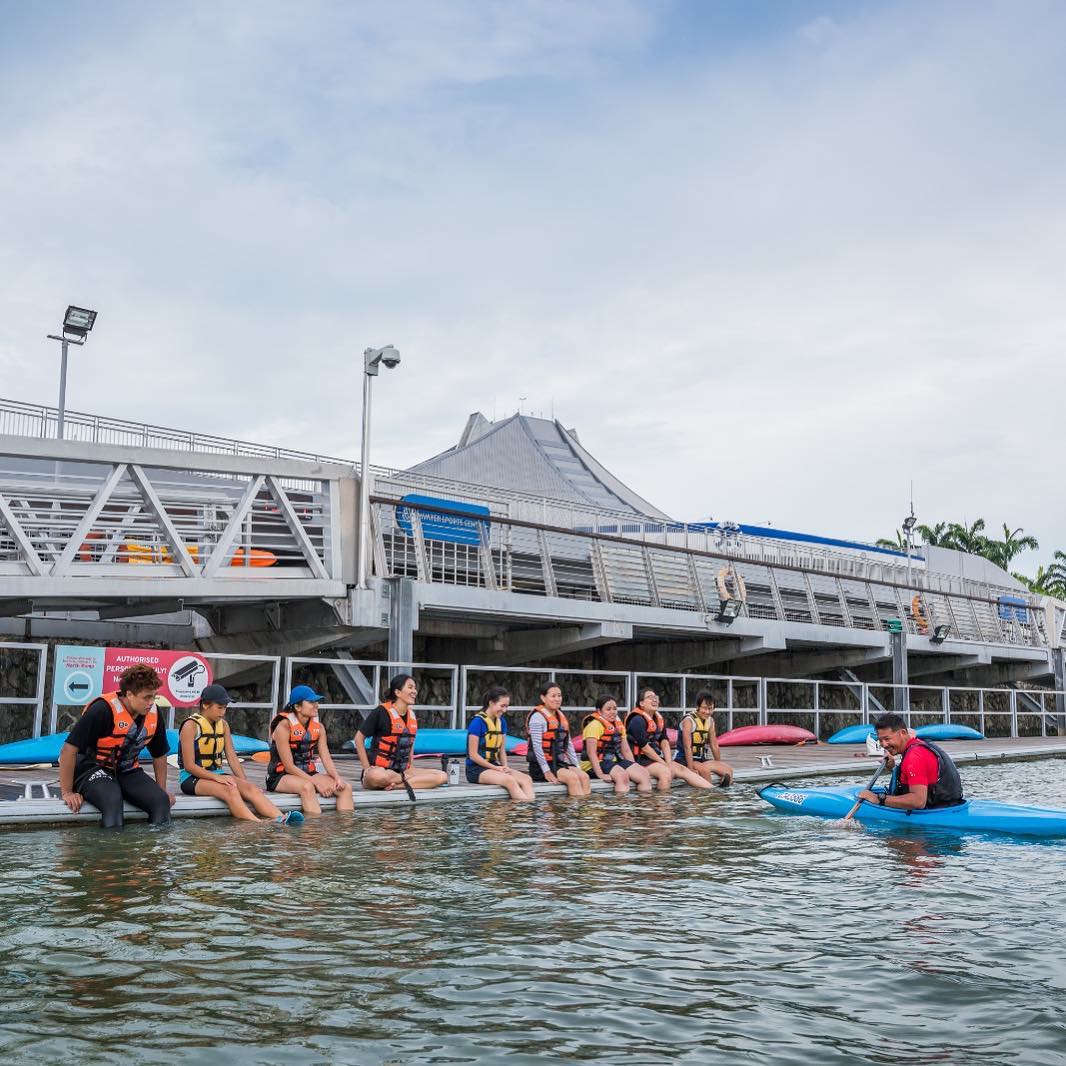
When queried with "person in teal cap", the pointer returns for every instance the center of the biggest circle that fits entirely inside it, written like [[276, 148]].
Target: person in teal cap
[[298, 749]]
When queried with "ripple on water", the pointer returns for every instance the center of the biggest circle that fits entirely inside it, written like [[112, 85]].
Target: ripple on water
[[665, 928]]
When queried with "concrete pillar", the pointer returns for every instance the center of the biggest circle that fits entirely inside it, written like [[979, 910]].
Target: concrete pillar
[[403, 620], [899, 672], [1058, 667]]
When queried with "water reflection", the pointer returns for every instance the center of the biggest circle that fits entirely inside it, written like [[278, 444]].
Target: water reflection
[[663, 928]]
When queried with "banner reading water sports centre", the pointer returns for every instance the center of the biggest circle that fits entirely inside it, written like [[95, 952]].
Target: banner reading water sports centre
[[82, 674], [450, 528]]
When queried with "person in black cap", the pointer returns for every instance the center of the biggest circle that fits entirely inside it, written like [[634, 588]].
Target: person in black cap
[[203, 740]]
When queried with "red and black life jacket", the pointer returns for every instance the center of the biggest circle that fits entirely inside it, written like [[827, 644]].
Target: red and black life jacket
[[656, 731], [303, 742], [946, 791], [393, 750], [118, 752], [555, 741]]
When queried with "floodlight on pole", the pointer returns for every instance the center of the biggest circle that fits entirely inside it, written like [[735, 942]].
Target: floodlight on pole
[[77, 324], [940, 634], [373, 359], [729, 611]]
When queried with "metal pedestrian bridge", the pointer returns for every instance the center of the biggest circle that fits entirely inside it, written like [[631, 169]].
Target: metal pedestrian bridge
[[130, 520]]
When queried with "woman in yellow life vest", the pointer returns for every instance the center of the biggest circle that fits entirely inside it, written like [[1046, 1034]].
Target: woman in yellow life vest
[[486, 748], [298, 748], [697, 742], [606, 754], [204, 742]]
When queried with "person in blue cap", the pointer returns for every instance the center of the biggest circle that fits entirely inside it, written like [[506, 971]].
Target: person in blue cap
[[298, 749], [204, 741]]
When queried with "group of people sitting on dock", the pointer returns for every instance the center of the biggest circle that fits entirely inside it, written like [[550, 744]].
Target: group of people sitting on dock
[[100, 760]]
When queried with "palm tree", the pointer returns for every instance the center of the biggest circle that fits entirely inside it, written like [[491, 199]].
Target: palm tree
[[970, 539], [1056, 575], [899, 544], [1002, 552], [937, 536], [1042, 584]]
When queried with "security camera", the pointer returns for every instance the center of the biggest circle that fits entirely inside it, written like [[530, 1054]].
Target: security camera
[[390, 357]]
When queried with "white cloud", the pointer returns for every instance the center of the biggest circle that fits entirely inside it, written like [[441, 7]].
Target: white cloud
[[776, 283]]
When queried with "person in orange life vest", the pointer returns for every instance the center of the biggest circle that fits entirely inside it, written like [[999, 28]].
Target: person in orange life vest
[[925, 777], [697, 742], [486, 748], [607, 754], [204, 740], [296, 737], [99, 761], [646, 730], [551, 754], [391, 728]]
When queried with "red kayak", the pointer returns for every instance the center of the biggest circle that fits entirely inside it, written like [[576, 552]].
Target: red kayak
[[767, 734]]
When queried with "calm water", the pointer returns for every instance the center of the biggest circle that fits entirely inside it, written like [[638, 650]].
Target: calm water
[[676, 928]]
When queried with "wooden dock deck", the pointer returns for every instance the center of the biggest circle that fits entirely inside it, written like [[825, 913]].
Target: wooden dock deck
[[30, 796]]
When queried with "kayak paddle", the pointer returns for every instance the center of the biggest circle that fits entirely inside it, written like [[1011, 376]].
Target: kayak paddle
[[881, 768], [407, 785]]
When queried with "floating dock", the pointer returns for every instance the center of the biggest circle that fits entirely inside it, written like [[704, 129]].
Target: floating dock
[[30, 797]]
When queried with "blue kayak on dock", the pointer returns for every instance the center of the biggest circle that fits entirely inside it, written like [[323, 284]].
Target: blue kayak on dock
[[973, 816], [857, 734], [46, 749], [447, 742]]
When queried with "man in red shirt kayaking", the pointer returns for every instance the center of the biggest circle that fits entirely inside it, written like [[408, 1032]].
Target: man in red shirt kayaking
[[925, 777]]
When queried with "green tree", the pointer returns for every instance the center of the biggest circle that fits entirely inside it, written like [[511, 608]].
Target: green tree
[[899, 544], [967, 538], [937, 536], [1056, 575], [1014, 542]]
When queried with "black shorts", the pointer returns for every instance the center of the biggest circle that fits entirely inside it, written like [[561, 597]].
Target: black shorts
[[537, 774], [272, 780], [607, 765], [474, 772]]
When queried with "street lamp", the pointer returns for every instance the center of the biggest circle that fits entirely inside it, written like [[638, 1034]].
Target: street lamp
[[77, 323], [908, 528], [372, 360]]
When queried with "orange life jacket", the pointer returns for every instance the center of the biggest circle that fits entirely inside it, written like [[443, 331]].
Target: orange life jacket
[[393, 750], [119, 751], [554, 741], [608, 746], [656, 731], [303, 742]]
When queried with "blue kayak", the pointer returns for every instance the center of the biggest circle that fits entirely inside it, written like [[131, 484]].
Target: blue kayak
[[445, 742], [973, 816], [857, 734], [46, 749], [852, 734]]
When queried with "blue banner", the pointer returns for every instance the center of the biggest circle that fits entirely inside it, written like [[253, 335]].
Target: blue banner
[[449, 528]]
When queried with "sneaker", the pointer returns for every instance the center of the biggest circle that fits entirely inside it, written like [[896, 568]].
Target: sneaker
[[289, 818]]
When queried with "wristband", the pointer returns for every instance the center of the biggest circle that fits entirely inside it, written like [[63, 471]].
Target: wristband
[[881, 797]]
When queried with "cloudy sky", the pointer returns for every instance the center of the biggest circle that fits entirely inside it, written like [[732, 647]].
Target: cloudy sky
[[772, 259]]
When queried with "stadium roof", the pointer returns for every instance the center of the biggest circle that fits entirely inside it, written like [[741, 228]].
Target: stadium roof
[[534, 455]]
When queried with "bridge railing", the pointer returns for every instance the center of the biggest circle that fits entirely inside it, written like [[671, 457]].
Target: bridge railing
[[70, 511], [516, 556], [450, 693]]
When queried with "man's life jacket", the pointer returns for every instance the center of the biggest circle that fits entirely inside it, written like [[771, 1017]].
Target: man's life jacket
[[392, 751], [209, 747], [701, 736], [118, 752], [945, 792]]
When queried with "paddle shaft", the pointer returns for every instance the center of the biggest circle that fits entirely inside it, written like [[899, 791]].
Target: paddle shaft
[[407, 785], [873, 781]]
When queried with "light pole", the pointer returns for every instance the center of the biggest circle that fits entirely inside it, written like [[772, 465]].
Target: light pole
[[372, 360], [77, 323], [908, 528]]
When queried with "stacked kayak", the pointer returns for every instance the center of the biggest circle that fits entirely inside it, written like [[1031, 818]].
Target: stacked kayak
[[766, 734], [857, 734], [46, 749], [973, 816]]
